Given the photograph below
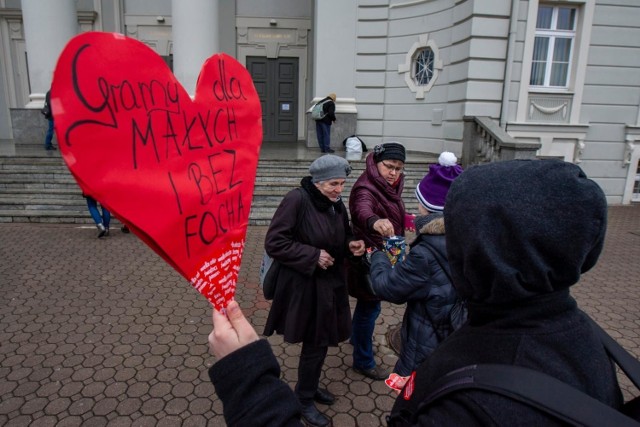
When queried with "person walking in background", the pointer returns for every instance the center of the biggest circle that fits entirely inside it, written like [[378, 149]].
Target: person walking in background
[[102, 221], [310, 237], [377, 211], [47, 112], [324, 122], [422, 280]]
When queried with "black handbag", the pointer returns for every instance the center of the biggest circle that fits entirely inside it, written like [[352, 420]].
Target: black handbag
[[359, 279], [269, 276]]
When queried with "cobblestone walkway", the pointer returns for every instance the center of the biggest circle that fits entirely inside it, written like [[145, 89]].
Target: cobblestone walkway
[[103, 332]]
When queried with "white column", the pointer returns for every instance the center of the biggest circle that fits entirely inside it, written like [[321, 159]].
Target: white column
[[195, 38], [48, 26], [335, 51]]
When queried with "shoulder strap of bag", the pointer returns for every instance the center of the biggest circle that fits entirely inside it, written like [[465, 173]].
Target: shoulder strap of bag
[[629, 364], [299, 216], [302, 207], [533, 388]]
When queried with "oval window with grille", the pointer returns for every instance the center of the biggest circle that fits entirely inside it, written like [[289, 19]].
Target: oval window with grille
[[423, 66]]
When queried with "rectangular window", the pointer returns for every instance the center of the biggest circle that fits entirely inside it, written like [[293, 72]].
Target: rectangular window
[[553, 46]]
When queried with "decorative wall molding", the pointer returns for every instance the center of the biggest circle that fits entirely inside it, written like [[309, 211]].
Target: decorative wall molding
[[566, 142], [550, 110], [408, 3]]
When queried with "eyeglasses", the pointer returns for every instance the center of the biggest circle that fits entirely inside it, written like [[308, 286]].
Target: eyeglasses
[[393, 168]]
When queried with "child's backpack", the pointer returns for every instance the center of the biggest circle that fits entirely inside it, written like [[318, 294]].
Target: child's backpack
[[317, 112]]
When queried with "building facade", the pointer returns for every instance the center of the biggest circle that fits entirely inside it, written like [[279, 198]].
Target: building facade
[[564, 74]]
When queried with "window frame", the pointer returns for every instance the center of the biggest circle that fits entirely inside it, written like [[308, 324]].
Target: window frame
[[553, 34], [408, 67], [584, 28], [430, 68]]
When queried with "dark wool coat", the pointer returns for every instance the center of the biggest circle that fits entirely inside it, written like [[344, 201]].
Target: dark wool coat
[[420, 282], [310, 304], [371, 199]]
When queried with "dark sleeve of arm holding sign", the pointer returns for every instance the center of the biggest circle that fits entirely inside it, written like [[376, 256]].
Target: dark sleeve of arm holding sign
[[248, 383]]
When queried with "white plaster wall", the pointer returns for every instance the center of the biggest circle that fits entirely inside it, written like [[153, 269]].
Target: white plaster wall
[[611, 97], [471, 41], [334, 56]]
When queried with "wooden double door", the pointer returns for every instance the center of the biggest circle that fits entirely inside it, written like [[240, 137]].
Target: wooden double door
[[276, 82]]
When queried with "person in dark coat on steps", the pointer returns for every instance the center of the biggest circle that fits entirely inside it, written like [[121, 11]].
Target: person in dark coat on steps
[[519, 235], [311, 237], [323, 125]]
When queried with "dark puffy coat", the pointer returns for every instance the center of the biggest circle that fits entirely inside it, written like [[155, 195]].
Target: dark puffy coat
[[310, 304], [371, 199], [420, 282], [514, 247]]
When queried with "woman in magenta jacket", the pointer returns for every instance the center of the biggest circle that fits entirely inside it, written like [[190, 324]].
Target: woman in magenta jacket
[[377, 211]]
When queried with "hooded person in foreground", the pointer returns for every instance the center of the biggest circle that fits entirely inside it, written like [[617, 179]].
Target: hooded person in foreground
[[519, 235]]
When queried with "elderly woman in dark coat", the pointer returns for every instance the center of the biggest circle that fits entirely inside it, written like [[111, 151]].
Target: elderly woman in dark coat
[[310, 237]]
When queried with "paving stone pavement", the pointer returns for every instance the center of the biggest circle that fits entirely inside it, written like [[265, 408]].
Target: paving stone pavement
[[102, 332]]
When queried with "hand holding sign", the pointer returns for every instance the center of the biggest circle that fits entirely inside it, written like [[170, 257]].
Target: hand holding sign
[[179, 173]]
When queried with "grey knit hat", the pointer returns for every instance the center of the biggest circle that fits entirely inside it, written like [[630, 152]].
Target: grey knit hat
[[329, 167]]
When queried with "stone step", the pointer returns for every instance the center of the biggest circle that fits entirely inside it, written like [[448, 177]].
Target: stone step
[[46, 216], [35, 192], [77, 202], [40, 188]]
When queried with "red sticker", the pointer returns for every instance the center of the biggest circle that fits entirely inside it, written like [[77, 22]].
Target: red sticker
[[396, 382], [179, 172]]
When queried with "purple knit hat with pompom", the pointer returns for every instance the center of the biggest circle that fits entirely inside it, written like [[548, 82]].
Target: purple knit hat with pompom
[[432, 190]]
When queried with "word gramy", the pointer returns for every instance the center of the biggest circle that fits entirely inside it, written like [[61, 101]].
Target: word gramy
[[161, 128], [167, 128]]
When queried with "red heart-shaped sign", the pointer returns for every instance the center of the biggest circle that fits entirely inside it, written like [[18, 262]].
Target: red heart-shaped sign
[[179, 172]]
